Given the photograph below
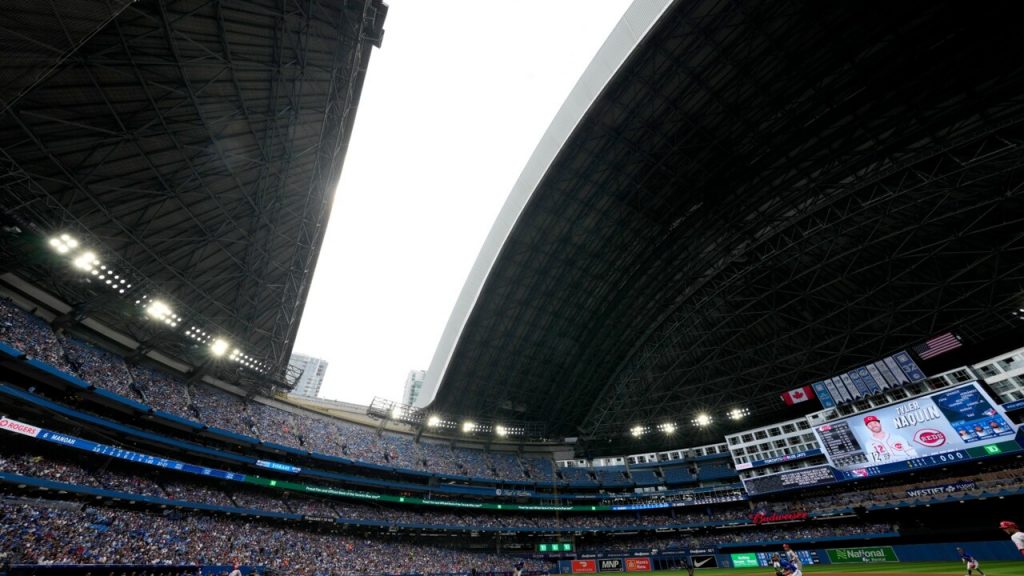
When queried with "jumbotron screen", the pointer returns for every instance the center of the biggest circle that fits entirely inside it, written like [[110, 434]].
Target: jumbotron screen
[[962, 423]]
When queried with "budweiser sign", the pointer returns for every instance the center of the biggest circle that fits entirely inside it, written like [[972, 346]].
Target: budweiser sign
[[18, 427], [762, 518]]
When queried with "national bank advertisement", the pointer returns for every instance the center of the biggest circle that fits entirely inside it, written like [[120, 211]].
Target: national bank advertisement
[[948, 421]]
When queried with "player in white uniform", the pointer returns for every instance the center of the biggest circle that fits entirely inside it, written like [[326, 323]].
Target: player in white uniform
[[1016, 536], [886, 447], [792, 557]]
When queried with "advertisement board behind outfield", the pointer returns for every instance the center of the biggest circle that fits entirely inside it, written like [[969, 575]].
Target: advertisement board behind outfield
[[862, 555], [584, 566], [745, 560], [610, 565], [703, 561], [638, 564]]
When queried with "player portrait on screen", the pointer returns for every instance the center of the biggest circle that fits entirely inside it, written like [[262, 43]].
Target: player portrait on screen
[[883, 446]]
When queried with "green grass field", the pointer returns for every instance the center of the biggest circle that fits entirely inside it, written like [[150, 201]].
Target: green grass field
[[1009, 568]]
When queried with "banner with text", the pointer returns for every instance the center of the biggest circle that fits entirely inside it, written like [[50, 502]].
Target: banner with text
[[862, 555], [638, 564], [943, 489]]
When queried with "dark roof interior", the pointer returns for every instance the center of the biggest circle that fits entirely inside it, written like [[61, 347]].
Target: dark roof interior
[[194, 145], [767, 193]]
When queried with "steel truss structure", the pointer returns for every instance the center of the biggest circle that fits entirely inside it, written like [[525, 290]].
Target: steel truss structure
[[767, 193], [193, 144]]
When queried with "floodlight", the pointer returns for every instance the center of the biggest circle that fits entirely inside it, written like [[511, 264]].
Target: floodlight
[[637, 431], [702, 420], [501, 430], [396, 413], [219, 347], [668, 428], [69, 241], [157, 309], [738, 413], [434, 421], [468, 426], [85, 261]]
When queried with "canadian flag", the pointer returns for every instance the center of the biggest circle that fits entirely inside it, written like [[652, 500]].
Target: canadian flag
[[798, 395]]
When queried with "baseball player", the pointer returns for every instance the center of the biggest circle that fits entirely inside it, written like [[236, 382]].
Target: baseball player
[[517, 569], [887, 447], [784, 567], [1016, 536], [687, 565], [793, 558], [970, 561]]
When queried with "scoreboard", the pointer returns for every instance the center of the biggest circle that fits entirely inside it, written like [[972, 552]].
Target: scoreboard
[[951, 426], [555, 547], [947, 426]]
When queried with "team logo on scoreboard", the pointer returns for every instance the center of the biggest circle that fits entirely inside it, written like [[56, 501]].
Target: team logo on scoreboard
[[930, 438]]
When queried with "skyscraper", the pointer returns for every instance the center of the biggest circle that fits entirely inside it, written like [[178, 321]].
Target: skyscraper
[[413, 385], [308, 373]]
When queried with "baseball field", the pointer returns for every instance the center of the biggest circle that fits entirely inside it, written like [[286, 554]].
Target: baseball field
[[880, 569]]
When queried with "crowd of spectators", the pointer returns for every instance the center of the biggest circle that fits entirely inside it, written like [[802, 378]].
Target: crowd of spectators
[[242, 496], [50, 533], [296, 428], [125, 477], [29, 334], [895, 490], [54, 532]]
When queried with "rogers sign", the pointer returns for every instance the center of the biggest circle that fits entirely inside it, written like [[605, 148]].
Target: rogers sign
[[18, 427], [930, 438], [762, 518]]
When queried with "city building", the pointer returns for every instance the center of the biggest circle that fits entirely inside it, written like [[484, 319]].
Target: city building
[[308, 373], [413, 385]]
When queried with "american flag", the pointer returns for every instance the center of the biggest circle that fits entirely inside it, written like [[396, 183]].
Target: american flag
[[938, 345]]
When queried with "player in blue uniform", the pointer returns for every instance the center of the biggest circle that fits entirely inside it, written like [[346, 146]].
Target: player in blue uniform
[[784, 567], [970, 562]]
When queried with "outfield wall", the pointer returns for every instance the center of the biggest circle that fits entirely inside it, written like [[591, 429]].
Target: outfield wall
[[944, 552], [737, 557]]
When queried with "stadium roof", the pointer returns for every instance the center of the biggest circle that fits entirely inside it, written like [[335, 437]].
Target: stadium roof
[[194, 145], [764, 193]]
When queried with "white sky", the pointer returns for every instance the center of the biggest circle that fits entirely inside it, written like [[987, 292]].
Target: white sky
[[454, 103]]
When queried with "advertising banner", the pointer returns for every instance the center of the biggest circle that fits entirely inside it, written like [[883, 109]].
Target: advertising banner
[[18, 427], [744, 560], [610, 564], [584, 566], [760, 518], [927, 426], [802, 478], [703, 561], [943, 489], [862, 555], [638, 564]]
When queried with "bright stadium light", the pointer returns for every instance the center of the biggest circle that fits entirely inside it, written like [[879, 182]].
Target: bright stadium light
[[434, 421], [738, 413], [219, 347], [637, 431], [86, 261], [702, 420], [396, 413], [668, 428], [63, 243], [158, 310], [501, 430], [468, 426]]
